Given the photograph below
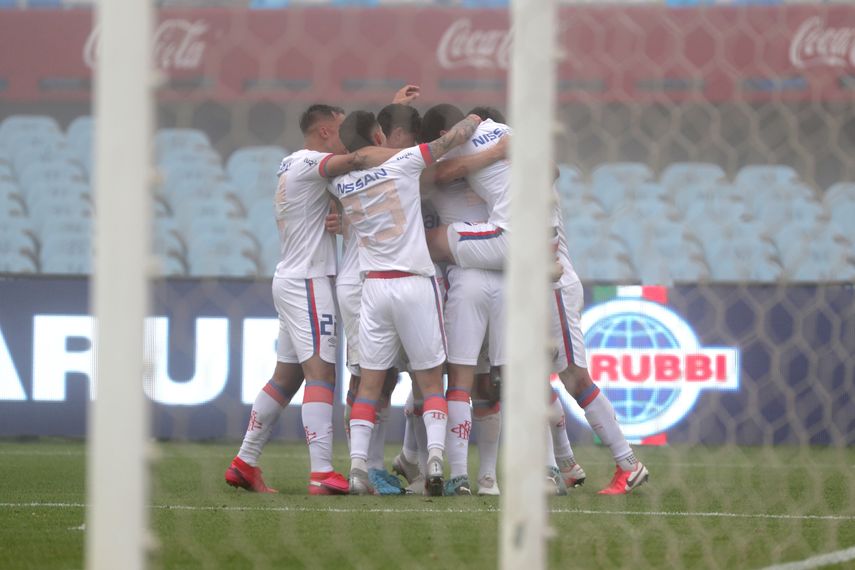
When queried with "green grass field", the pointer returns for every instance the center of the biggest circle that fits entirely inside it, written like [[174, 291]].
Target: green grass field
[[703, 508]]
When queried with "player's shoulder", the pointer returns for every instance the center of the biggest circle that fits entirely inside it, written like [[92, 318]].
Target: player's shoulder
[[410, 153], [487, 133], [303, 160]]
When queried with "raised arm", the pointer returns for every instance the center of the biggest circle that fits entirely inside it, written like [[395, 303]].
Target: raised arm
[[451, 169], [456, 136], [367, 157]]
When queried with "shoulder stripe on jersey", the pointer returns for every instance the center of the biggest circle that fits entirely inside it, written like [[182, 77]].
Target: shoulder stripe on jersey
[[322, 167], [426, 155]]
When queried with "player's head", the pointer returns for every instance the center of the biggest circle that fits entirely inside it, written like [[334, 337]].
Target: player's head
[[491, 113], [438, 120], [360, 129], [320, 123], [400, 124]]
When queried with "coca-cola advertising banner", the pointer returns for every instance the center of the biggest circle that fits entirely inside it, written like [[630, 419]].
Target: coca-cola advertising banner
[[642, 53]]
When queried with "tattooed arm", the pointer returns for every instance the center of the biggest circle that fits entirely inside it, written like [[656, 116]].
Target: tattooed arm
[[459, 134], [366, 157]]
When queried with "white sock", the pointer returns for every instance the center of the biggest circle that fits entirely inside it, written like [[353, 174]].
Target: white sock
[[488, 429], [317, 421], [601, 417], [347, 409], [550, 450], [410, 449], [360, 438], [435, 418], [560, 441], [421, 441], [457, 437], [378, 440], [266, 410]]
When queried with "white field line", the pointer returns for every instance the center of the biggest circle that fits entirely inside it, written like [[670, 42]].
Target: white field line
[[836, 557], [320, 509]]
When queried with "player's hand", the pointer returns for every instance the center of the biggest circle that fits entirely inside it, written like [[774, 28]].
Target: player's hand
[[332, 223], [407, 94], [475, 118], [502, 147]]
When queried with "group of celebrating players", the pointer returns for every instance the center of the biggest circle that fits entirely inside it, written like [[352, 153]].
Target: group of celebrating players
[[422, 203]]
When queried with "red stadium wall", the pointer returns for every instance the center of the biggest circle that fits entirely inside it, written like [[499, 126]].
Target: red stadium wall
[[641, 54]]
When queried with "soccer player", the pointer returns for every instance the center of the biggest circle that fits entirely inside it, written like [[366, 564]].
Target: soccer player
[[303, 296], [401, 305]]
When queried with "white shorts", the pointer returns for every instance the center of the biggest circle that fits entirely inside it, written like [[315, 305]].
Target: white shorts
[[474, 309], [307, 319], [566, 328], [349, 304], [478, 246], [401, 312]]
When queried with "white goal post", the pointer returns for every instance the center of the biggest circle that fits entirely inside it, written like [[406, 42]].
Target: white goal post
[[117, 470], [532, 103]]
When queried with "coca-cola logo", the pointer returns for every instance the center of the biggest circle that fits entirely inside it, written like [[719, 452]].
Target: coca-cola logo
[[816, 45], [178, 45], [462, 46]]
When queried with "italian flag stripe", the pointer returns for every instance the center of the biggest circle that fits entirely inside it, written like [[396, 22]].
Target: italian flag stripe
[[655, 293]]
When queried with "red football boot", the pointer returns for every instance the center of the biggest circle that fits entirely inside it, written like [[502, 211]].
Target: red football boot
[[241, 474], [623, 482], [328, 483]]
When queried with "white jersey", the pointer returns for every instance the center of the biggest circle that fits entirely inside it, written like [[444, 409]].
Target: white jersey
[[348, 272], [306, 249], [457, 202], [383, 207], [492, 183], [569, 274]]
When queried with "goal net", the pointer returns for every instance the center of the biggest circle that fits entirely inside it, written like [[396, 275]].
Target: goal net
[[706, 188]]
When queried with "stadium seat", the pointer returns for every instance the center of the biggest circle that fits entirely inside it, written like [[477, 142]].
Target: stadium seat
[[567, 173], [66, 253], [586, 207], [791, 239], [720, 211], [840, 192], [681, 175], [756, 176], [203, 156], [259, 158], [41, 152], [12, 203], [788, 211], [822, 260], [38, 173], [18, 246], [842, 216], [735, 261], [708, 193], [20, 127], [169, 246], [226, 248], [178, 176], [43, 195], [605, 260], [168, 141], [625, 173], [655, 268]]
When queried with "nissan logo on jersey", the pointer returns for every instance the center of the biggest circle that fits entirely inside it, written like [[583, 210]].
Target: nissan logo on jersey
[[651, 365]]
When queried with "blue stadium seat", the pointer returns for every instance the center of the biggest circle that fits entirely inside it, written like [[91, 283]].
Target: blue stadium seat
[[736, 261], [756, 176], [842, 216], [66, 253], [840, 192], [17, 127], [680, 175], [267, 4], [168, 141], [708, 193], [18, 246], [821, 260], [37, 173], [263, 159], [225, 248]]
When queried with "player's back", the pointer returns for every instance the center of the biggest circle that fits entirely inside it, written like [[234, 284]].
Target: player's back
[[301, 203], [383, 208], [457, 202], [492, 183]]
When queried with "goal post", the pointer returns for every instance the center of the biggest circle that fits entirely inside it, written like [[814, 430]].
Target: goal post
[[117, 474], [532, 103]]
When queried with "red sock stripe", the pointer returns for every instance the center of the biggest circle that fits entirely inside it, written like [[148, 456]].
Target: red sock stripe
[[553, 396], [457, 395], [318, 393], [363, 411], [275, 394], [590, 398], [436, 403]]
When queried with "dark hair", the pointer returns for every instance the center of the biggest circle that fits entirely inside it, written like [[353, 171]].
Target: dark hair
[[356, 130], [396, 115], [491, 113], [317, 112], [439, 118]]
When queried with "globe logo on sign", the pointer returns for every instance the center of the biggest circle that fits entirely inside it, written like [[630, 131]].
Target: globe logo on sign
[[650, 364], [634, 331]]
